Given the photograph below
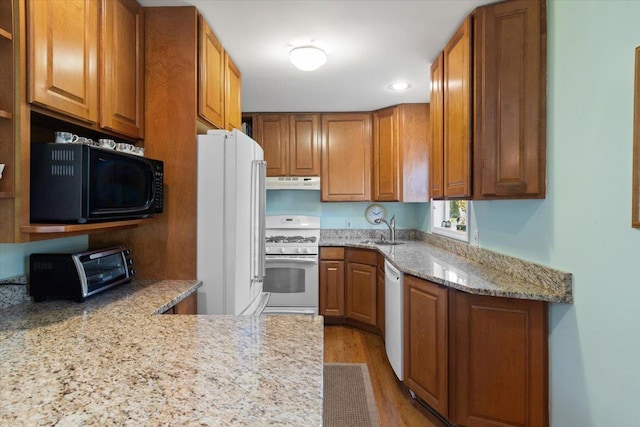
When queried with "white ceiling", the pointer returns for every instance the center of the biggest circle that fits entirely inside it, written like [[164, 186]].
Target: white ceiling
[[371, 44]]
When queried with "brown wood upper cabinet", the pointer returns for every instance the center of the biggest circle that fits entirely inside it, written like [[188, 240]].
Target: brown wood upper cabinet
[[211, 91], [219, 82], [63, 34], [290, 142], [510, 100], [346, 157], [500, 118], [122, 68], [400, 153], [436, 161], [457, 113], [232, 94]]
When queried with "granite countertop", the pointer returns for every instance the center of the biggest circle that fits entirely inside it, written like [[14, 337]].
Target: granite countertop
[[111, 361], [483, 272]]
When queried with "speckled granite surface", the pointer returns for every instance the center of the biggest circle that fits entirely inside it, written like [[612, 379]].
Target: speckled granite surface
[[13, 290], [109, 361], [467, 268]]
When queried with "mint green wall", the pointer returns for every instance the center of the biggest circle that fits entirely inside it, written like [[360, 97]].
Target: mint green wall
[[14, 258], [335, 215], [583, 226]]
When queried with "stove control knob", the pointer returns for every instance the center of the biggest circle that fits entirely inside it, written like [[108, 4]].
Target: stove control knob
[[281, 250], [304, 250]]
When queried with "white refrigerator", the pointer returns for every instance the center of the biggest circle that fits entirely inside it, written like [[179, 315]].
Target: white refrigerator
[[230, 224]]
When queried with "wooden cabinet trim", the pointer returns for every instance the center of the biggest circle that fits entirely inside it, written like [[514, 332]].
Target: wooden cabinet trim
[[330, 253], [362, 256]]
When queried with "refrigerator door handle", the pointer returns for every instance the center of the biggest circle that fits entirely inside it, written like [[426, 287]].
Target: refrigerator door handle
[[258, 202], [262, 166]]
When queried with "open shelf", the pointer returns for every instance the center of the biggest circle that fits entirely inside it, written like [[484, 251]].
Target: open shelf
[[6, 194], [76, 229], [5, 114]]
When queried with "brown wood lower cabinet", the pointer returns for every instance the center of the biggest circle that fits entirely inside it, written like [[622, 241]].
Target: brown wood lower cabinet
[[479, 361], [331, 284], [189, 305], [426, 342], [498, 361], [361, 286]]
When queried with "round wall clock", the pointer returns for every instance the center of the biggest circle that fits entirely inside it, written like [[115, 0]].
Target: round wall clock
[[375, 211]]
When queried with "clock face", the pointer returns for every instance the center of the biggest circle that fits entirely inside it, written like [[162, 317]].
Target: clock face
[[375, 211]]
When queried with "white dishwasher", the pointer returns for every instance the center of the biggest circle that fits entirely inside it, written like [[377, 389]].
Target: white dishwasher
[[393, 310]]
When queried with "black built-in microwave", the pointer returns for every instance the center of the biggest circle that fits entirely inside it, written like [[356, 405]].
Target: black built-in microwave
[[77, 183]]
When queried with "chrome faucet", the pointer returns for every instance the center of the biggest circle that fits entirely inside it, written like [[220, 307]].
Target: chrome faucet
[[392, 226]]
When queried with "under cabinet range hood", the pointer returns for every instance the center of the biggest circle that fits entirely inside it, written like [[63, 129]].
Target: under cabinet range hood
[[293, 183]]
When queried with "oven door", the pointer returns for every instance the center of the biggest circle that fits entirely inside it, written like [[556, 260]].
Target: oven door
[[292, 281]]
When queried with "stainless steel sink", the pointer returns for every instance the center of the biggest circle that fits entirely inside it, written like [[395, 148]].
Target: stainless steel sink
[[381, 242]]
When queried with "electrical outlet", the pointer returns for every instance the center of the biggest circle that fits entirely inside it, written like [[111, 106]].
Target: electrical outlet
[[475, 238], [348, 223]]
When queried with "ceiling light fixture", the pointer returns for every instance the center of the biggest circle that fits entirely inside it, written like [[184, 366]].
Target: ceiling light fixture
[[399, 86], [307, 58]]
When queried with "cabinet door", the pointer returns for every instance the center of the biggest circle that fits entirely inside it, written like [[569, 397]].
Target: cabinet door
[[499, 361], [304, 147], [346, 157], [233, 95], [332, 288], [273, 136], [361, 292], [122, 76], [510, 100], [386, 155], [211, 75], [436, 162], [63, 33], [426, 341], [457, 113]]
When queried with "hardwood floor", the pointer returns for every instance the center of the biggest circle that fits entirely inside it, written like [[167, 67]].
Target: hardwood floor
[[343, 344]]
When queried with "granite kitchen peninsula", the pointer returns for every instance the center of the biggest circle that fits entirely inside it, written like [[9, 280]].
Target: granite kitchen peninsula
[[113, 360]]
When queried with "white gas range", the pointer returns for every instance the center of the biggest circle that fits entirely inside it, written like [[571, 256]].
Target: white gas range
[[292, 264]]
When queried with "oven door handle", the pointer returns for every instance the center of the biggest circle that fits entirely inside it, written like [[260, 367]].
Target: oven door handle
[[281, 259]]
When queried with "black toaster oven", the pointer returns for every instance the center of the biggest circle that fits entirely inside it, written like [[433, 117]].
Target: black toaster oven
[[78, 275]]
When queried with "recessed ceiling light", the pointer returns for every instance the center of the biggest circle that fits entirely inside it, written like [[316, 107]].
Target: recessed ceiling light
[[307, 58], [399, 86]]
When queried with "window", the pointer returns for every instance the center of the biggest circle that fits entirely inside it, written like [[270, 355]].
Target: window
[[450, 218]]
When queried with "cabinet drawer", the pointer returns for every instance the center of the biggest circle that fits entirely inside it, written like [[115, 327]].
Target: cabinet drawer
[[332, 253], [362, 256]]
